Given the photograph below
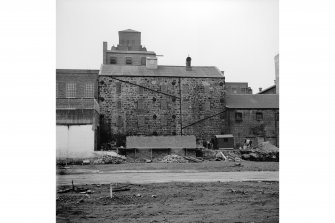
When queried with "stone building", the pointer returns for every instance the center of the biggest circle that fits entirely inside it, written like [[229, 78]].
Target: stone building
[[77, 113], [255, 117], [139, 97]]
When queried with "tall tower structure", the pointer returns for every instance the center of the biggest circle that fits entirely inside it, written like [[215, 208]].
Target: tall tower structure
[[129, 50]]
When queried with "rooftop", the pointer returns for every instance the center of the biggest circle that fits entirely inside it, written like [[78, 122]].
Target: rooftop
[[129, 31], [76, 71], [266, 89], [163, 71], [252, 101]]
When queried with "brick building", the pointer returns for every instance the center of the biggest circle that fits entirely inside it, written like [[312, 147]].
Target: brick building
[[255, 117], [77, 112], [238, 88]]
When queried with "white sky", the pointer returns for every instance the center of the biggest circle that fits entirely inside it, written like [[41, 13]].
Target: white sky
[[240, 37]]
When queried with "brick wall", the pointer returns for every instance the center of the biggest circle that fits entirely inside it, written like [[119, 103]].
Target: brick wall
[[250, 127], [121, 57], [151, 105], [80, 78]]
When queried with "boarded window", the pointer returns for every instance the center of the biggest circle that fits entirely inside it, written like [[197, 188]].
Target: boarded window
[[129, 60], [207, 105], [89, 90], [259, 116], [70, 90], [118, 104], [238, 116], [143, 61], [113, 60], [118, 87], [140, 105], [119, 122], [140, 90], [163, 104]]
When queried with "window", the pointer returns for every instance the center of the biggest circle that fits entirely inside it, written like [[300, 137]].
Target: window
[[153, 99], [113, 60], [140, 104], [225, 139], [243, 90], [128, 60], [70, 90], [154, 116], [143, 61], [238, 116], [118, 87], [259, 116], [89, 90], [174, 116]]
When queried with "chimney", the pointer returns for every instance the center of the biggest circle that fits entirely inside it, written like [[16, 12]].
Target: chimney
[[104, 52], [151, 63], [188, 63], [260, 89]]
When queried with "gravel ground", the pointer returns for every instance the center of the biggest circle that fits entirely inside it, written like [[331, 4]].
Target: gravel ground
[[206, 166], [173, 202]]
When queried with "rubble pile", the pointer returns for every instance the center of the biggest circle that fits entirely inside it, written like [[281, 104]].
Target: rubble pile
[[264, 151], [108, 158], [174, 158]]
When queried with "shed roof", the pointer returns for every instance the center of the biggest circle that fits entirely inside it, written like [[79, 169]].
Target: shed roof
[[224, 136], [267, 89], [252, 101], [163, 71]]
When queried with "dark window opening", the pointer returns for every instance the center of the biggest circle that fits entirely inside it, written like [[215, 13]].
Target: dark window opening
[[143, 61], [174, 133], [129, 60], [225, 139], [118, 87], [155, 133], [154, 99], [221, 83], [238, 116], [173, 82], [113, 60], [154, 116], [174, 116], [173, 99], [259, 116]]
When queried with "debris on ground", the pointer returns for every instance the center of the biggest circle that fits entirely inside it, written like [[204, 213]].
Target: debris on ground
[[265, 151], [193, 159], [220, 156], [173, 158]]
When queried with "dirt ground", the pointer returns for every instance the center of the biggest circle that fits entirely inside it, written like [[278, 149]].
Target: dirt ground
[[206, 166], [173, 202]]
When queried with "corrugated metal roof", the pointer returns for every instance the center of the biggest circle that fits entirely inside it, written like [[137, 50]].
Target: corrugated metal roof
[[252, 101], [164, 71]]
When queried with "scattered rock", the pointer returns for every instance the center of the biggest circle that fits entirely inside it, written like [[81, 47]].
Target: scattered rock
[[154, 196]]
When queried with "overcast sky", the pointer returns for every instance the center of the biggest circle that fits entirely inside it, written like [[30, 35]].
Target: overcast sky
[[240, 37]]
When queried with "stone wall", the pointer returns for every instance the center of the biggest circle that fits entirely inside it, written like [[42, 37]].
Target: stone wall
[[266, 129], [162, 105]]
